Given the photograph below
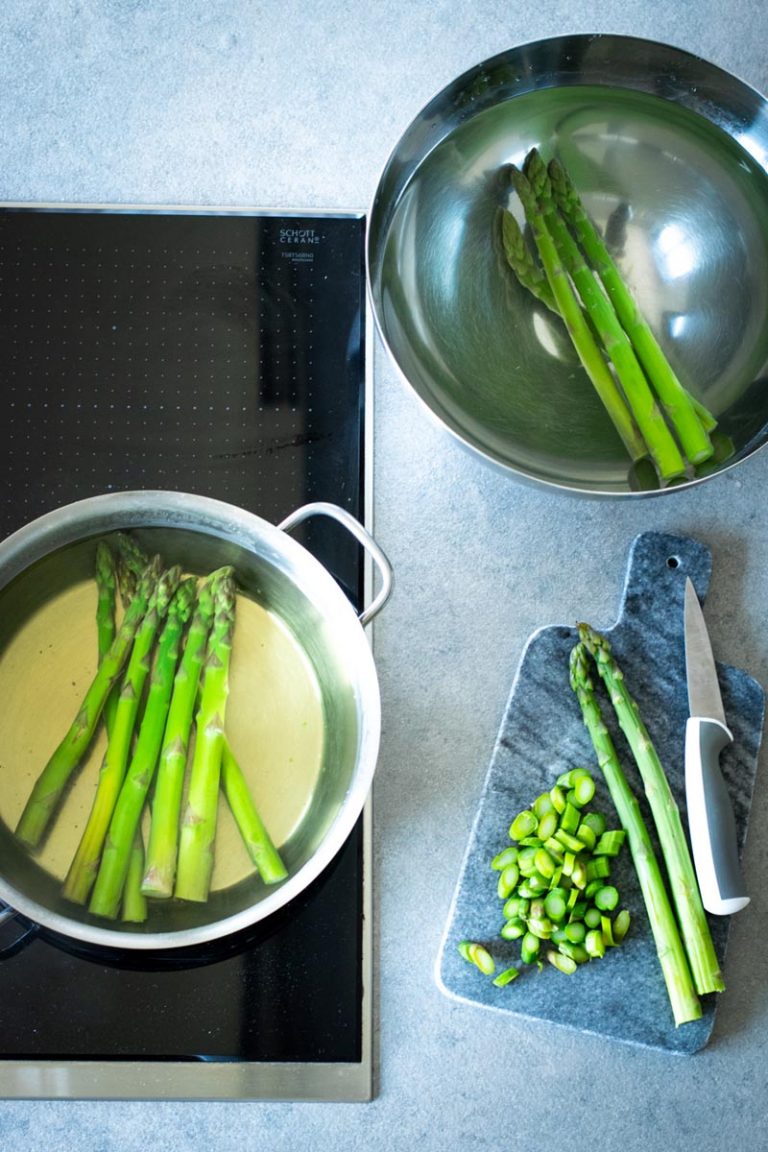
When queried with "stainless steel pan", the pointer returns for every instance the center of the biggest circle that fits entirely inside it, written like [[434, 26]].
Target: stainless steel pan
[[47, 641]]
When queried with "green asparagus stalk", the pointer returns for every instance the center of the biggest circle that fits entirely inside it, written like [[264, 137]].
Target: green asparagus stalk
[[684, 1002], [521, 261], [255, 836], [163, 842], [82, 871], [685, 415], [696, 935], [198, 828], [131, 561], [123, 825], [578, 329], [134, 901], [106, 589], [54, 778], [618, 349]]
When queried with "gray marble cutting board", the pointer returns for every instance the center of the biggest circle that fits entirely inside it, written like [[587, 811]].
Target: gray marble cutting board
[[622, 996]]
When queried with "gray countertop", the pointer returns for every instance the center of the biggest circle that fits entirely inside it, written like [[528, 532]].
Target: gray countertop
[[282, 104]]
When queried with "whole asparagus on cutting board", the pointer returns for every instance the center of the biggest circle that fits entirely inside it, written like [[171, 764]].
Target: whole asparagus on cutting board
[[686, 896], [684, 1002]]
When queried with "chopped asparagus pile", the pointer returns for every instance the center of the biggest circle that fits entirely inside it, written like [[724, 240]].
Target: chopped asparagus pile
[[169, 654], [554, 881], [571, 271]]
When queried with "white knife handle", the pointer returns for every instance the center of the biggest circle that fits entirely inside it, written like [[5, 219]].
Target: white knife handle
[[710, 818]]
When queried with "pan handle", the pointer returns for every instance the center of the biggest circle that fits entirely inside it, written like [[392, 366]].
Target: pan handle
[[353, 526], [25, 931]]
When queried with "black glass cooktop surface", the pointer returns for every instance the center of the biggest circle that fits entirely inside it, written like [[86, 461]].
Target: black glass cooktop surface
[[220, 353]]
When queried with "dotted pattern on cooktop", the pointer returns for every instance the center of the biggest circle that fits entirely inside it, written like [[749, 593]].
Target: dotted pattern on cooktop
[[219, 354], [222, 355]]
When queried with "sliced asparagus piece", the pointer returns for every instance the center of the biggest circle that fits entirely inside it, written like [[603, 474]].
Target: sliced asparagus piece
[[54, 778], [669, 946], [124, 823], [198, 828], [82, 871], [694, 928]]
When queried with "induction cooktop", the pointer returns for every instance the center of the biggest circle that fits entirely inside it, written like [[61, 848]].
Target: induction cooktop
[[220, 352]]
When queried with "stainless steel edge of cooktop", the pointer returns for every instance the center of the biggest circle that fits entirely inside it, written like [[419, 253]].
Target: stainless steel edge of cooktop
[[227, 1080]]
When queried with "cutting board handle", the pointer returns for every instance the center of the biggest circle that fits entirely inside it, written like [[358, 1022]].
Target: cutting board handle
[[654, 588]]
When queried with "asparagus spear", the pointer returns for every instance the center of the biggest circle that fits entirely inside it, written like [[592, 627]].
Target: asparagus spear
[[82, 871], [581, 335], [520, 260], [106, 588], [51, 783], [198, 828], [618, 348], [134, 901], [162, 845], [690, 419], [257, 840], [702, 958], [669, 947], [131, 561], [124, 823]]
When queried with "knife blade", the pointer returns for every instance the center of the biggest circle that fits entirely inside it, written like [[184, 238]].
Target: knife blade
[[711, 821]]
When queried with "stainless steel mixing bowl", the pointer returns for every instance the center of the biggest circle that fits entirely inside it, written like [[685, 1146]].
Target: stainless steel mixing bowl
[[670, 154]]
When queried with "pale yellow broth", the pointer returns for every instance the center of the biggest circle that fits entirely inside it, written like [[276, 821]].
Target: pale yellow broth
[[274, 723]]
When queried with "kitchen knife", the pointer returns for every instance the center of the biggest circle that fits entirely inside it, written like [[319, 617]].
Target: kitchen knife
[[710, 815]]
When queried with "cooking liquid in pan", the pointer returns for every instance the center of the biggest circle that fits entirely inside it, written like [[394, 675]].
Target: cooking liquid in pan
[[274, 723]]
